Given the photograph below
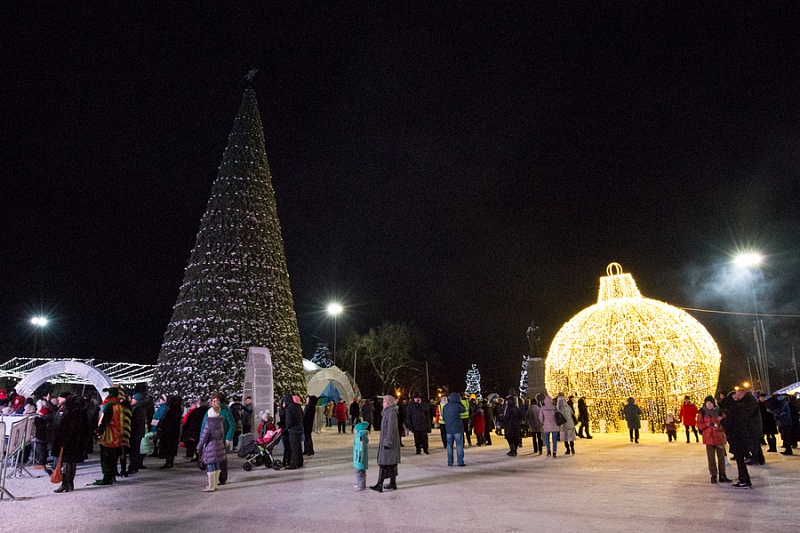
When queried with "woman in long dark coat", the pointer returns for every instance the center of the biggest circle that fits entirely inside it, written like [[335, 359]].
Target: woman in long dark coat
[[511, 423], [69, 440], [169, 431], [389, 446]]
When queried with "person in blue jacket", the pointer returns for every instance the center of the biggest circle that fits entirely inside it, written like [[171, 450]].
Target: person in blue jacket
[[454, 428]]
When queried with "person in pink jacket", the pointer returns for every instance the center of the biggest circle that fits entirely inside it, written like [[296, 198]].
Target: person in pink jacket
[[550, 428]]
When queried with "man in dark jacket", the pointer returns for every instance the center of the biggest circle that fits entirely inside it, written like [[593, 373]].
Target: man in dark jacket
[[418, 419], [454, 428], [355, 414], [583, 418], [293, 425], [743, 428], [138, 429], [309, 413]]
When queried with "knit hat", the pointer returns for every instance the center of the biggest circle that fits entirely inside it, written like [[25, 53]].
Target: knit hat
[[709, 399], [138, 397]]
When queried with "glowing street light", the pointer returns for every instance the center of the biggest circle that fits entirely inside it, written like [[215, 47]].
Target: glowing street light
[[39, 322], [748, 260], [334, 309]]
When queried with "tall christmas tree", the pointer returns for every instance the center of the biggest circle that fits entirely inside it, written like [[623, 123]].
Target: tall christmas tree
[[474, 382], [235, 292]]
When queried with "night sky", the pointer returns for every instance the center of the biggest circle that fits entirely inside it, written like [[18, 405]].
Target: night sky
[[468, 169]]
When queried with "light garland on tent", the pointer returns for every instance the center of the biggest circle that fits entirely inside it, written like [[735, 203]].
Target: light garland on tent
[[627, 345]]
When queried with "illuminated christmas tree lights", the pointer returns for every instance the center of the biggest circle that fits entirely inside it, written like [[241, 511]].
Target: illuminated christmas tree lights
[[474, 382], [627, 345], [235, 293]]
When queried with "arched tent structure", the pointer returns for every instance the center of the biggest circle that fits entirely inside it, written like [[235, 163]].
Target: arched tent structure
[[45, 372], [320, 379], [258, 382], [794, 388]]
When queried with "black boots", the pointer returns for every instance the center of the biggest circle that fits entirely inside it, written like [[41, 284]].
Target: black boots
[[378, 487], [68, 481]]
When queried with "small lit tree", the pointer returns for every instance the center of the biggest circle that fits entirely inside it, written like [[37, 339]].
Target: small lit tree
[[523, 376], [474, 382], [322, 355]]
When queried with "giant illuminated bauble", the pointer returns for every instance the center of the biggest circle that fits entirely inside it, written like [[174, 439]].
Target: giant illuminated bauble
[[627, 345]]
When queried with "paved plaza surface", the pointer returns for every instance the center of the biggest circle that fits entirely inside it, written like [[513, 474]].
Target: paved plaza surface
[[609, 485]]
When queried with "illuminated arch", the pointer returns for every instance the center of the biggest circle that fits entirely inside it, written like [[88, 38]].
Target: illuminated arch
[[41, 374]]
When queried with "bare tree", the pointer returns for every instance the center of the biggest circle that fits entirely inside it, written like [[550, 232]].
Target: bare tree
[[389, 351]]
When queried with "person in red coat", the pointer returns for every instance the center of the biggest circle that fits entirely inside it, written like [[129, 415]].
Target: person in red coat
[[479, 424], [688, 416], [340, 412], [709, 423]]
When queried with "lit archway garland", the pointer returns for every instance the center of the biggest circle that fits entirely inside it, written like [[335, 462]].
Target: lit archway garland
[[627, 345]]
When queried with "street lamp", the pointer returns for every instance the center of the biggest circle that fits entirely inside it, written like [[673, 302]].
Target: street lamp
[[751, 261], [334, 309], [39, 322]]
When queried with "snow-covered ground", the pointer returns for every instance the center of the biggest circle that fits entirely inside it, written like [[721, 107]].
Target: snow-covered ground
[[609, 485]]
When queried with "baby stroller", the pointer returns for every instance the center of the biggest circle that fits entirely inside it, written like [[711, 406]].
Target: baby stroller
[[257, 452]]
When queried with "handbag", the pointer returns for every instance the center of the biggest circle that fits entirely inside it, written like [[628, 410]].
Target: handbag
[[57, 476], [560, 418]]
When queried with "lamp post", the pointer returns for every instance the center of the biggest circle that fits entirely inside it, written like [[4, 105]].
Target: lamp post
[[39, 322], [751, 261], [334, 310]]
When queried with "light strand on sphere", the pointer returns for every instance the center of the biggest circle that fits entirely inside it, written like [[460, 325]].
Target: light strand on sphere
[[630, 346]]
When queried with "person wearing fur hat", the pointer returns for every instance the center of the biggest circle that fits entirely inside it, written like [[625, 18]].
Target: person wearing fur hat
[[211, 445], [109, 433]]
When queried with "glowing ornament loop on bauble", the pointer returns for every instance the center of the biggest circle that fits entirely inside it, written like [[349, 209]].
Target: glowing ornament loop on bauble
[[627, 345]]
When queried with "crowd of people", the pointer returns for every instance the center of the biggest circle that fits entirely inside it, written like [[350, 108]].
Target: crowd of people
[[127, 427]]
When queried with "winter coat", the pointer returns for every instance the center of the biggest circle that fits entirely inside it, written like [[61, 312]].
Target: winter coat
[[340, 412], [547, 416], [511, 420], [768, 425], [583, 411], [194, 424], [71, 430], [355, 411], [688, 414], [452, 414], [169, 427], [488, 414], [366, 411], [211, 444], [567, 428], [360, 445], [708, 421], [632, 414], [532, 417], [418, 416], [138, 422], [309, 414], [293, 422], [479, 424], [329, 410], [389, 446], [742, 417]]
